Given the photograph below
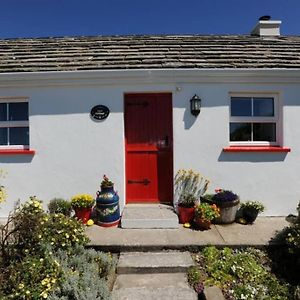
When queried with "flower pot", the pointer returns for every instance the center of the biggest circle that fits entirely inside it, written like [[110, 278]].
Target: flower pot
[[185, 214], [202, 224], [250, 214], [83, 214], [228, 211]]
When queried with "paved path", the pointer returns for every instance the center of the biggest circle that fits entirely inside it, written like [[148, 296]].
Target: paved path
[[153, 275], [118, 239]]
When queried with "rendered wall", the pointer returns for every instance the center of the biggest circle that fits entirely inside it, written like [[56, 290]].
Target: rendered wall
[[73, 152]]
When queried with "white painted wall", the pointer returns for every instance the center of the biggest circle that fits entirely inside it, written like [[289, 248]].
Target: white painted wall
[[73, 152]]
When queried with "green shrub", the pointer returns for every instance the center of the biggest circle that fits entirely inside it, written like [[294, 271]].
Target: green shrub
[[194, 275], [3, 194], [242, 274], [286, 257], [84, 275], [60, 206], [62, 232], [29, 229], [42, 255], [32, 278], [20, 234]]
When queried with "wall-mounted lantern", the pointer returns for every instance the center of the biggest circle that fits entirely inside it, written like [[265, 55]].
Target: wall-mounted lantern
[[195, 105]]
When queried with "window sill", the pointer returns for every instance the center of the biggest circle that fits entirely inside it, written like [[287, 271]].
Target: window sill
[[256, 149], [16, 152]]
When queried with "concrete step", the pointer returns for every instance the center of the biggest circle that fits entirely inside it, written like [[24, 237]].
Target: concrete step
[[164, 286], [154, 262], [149, 216], [213, 293]]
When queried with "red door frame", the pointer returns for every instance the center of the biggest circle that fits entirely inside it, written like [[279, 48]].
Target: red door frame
[[163, 159]]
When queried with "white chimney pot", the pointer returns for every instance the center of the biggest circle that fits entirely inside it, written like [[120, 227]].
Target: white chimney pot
[[267, 28]]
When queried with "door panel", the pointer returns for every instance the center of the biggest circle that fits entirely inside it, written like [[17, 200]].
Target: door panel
[[149, 147], [141, 176]]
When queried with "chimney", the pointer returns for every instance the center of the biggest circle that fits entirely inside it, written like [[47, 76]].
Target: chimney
[[266, 27]]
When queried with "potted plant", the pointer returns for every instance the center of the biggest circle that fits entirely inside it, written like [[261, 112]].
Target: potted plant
[[228, 203], [60, 206], [207, 198], [250, 210], [82, 205], [204, 214], [107, 204], [186, 208], [189, 186]]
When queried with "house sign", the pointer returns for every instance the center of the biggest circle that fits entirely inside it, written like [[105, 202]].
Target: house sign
[[99, 112]]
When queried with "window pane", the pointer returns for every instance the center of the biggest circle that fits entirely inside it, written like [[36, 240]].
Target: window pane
[[3, 113], [264, 132], [19, 136], [263, 107], [18, 111], [3, 136], [241, 106], [240, 132]]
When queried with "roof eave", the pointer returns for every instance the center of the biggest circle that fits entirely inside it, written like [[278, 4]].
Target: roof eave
[[159, 76]]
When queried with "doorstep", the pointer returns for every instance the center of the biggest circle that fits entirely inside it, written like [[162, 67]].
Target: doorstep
[[231, 235], [149, 216]]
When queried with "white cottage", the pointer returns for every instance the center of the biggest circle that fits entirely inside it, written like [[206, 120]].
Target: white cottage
[[75, 108]]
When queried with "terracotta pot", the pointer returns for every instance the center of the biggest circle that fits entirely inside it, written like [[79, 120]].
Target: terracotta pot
[[202, 224], [186, 214], [83, 214]]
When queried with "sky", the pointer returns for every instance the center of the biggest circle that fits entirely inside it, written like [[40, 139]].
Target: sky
[[44, 18]]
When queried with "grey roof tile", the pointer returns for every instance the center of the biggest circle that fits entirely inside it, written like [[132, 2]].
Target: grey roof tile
[[148, 52]]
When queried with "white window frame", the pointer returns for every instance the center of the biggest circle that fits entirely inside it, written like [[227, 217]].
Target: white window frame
[[6, 124], [277, 118]]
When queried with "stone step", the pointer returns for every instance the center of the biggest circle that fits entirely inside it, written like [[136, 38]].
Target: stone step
[[154, 262], [213, 293], [152, 287], [149, 216]]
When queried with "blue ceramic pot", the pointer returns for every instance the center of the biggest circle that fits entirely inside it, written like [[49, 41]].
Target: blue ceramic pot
[[107, 207]]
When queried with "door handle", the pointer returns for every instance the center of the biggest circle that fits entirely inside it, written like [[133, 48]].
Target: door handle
[[166, 141], [163, 143]]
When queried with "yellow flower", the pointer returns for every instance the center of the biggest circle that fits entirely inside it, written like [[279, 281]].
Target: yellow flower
[[90, 222], [45, 281], [21, 286], [186, 225], [56, 262]]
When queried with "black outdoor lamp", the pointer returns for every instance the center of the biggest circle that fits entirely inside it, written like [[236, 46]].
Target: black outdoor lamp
[[195, 105]]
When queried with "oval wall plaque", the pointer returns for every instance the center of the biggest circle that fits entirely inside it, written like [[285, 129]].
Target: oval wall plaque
[[99, 112]]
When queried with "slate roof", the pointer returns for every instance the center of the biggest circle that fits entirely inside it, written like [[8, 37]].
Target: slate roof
[[148, 52]]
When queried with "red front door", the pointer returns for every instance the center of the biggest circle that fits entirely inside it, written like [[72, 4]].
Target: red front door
[[149, 148]]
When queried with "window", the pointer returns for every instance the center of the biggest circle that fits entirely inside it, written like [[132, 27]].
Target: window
[[254, 120], [14, 123]]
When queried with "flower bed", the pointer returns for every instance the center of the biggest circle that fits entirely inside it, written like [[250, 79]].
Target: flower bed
[[241, 274], [42, 256]]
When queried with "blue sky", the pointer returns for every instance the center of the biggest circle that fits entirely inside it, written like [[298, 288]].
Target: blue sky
[[42, 18]]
